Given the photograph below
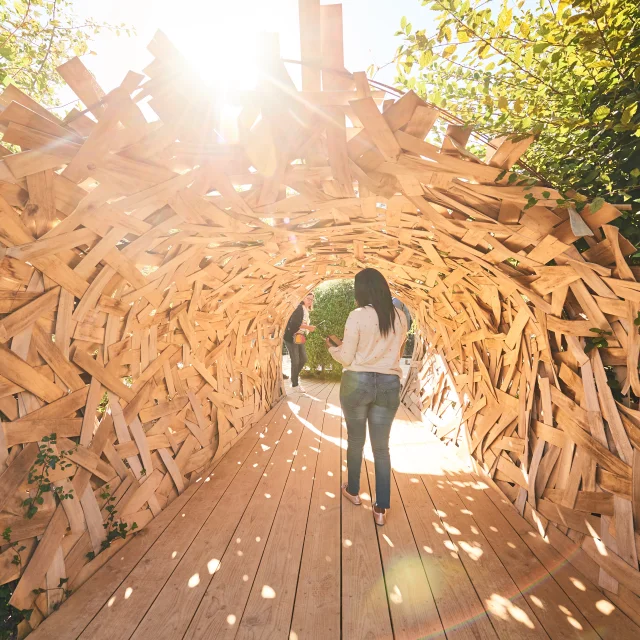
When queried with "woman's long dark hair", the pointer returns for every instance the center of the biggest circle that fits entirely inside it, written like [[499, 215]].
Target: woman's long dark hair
[[371, 288]]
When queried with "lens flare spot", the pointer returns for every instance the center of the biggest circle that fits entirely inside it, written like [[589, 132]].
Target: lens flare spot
[[127, 593], [194, 580], [213, 565], [231, 619]]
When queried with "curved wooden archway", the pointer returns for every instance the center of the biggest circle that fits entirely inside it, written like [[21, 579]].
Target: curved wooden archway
[[146, 276]]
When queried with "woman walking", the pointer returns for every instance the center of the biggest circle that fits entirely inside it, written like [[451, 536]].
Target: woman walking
[[374, 337], [298, 324]]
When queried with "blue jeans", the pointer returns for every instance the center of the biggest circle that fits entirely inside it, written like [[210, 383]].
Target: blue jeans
[[373, 398], [298, 354]]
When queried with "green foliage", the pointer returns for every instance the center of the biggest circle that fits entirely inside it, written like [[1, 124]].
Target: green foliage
[[10, 617], [46, 460], [36, 36], [598, 342], [566, 70], [17, 560], [115, 528], [61, 587], [334, 301]]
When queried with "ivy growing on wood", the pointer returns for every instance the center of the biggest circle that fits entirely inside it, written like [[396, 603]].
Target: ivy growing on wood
[[61, 587], [115, 528], [46, 461]]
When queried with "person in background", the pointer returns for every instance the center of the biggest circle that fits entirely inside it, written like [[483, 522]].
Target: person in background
[[398, 304], [298, 323], [374, 338]]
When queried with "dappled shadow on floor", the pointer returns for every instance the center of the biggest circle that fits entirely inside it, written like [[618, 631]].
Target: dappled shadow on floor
[[267, 549]]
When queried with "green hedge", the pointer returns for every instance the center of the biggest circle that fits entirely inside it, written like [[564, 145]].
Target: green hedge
[[334, 302]]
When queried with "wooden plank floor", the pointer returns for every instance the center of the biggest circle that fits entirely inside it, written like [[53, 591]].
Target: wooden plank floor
[[265, 548]]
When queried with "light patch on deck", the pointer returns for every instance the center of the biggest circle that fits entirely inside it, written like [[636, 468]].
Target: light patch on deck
[[268, 593], [504, 609], [396, 595], [606, 607]]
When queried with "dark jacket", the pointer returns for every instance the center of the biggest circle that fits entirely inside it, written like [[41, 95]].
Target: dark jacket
[[293, 326]]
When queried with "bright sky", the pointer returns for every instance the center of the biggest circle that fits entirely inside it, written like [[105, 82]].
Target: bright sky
[[218, 35]]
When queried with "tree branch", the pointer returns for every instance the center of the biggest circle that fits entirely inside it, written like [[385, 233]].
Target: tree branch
[[46, 57], [498, 51]]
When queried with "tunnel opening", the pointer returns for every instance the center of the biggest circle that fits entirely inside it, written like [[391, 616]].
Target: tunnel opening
[[331, 308]]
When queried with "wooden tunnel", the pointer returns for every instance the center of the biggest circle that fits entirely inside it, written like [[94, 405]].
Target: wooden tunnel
[[152, 251]]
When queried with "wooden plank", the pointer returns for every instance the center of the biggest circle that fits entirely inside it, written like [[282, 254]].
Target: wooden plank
[[105, 377], [316, 612], [482, 563], [24, 317], [170, 615], [262, 617], [455, 597], [377, 128], [87, 602], [530, 576], [253, 530], [574, 583], [18, 371]]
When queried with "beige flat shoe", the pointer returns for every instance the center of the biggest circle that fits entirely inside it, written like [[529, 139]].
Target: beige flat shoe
[[351, 498], [380, 518]]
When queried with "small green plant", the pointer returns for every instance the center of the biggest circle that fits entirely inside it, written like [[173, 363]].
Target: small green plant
[[636, 322], [597, 342], [6, 536], [61, 586], [46, 460], [114, 527]]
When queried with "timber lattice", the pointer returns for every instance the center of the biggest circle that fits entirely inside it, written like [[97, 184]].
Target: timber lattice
[[165, 263]]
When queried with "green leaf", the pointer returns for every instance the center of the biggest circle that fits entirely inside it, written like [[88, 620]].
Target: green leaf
[[628, 113], [601, 112], [596, 205], [403, 22]]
